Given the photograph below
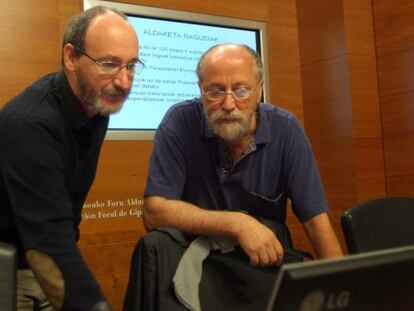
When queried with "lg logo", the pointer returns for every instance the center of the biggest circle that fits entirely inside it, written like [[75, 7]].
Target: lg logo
[[338, 301], [318, 301]]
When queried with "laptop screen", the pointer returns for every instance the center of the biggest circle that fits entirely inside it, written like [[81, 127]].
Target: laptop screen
[[380, 280], [8, 278]]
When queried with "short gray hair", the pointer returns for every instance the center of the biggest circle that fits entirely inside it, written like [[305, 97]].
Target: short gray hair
[[75, 31], [253, 53]]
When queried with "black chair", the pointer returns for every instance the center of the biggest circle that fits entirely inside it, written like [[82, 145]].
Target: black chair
[[379, 224], [228, 281], [8, 277]]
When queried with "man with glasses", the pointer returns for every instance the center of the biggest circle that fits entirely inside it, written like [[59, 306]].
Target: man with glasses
[[222, 160], [50, 139]]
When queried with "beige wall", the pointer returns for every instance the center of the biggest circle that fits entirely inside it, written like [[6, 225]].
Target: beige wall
[[350, 84]]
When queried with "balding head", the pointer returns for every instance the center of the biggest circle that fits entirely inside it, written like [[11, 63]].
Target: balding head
[[75, 31], [223, 50], [96, 42]]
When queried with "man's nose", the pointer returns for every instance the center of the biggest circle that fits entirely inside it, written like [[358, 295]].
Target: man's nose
[[229, 103], [123, 78]]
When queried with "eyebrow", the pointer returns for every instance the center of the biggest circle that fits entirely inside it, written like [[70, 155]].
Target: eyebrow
[[118, 59], [234, 85]]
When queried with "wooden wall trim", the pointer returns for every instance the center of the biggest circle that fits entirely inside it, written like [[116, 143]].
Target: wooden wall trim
[[341, 99], [394, 32]]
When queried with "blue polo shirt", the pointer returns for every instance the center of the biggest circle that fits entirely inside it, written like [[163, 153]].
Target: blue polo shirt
[[185, 165]]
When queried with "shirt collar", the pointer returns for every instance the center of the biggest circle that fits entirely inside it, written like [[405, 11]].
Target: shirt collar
[[72, 107]]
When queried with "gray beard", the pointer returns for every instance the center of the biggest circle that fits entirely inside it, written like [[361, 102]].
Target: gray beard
[[89, 98], [228, 132]]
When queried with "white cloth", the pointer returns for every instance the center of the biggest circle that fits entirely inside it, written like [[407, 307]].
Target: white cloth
[[188, 274]]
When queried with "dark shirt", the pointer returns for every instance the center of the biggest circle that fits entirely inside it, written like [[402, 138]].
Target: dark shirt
[[186, 164], [49, 150]]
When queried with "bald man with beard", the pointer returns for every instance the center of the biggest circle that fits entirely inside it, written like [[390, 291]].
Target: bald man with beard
[[222, 160]]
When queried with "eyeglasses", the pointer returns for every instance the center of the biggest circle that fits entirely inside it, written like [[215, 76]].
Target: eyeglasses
[[239, 94], [112, 68]]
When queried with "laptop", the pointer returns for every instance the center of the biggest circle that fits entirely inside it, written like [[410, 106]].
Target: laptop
[[8, 277], [379, 280]]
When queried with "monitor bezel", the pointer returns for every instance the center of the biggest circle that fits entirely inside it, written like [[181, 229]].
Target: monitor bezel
[[323, 267], [190, 17]]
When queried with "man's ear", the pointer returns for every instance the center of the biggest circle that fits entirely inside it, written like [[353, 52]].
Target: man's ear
[[260, 91], [200, 88], [69, 57]]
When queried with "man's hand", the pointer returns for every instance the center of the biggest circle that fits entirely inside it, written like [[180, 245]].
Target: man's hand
[[259, 242], [48, 275]]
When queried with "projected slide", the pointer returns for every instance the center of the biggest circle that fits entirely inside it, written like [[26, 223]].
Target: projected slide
[[170, 51]]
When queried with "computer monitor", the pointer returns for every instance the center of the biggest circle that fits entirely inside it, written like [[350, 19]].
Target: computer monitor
[[380, 280], [171, 43], [8, 277]]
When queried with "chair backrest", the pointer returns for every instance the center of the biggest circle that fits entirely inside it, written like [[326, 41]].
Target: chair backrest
[[379, 224], [8, 277]]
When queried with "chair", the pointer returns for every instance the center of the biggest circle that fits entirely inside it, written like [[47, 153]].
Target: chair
[[379, 224], [8, 277], [228, 281]]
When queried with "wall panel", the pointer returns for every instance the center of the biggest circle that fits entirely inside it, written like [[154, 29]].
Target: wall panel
[[394, 34], [397, 113], [393, 25], [284, 59], [396, 72], [259, 10], [29, 43], [327, 100], [341, 99]]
